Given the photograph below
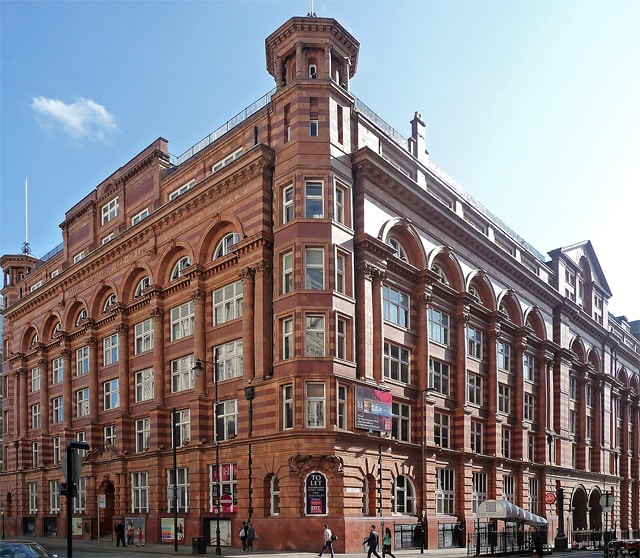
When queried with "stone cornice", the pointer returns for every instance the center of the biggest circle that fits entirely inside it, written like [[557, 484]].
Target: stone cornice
[[478, 248]]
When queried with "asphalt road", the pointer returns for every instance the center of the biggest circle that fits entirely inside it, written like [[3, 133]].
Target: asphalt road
[[102, 548]]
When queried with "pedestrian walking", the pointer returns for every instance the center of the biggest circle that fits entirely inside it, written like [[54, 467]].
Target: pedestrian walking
[[140, 543], [327, 541], [537, 542], [243, 535], [251, 536], [119, 529], [387, 543], [372, 542]]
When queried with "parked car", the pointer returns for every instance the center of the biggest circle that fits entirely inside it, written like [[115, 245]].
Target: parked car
[[619, 548], [23, 549]]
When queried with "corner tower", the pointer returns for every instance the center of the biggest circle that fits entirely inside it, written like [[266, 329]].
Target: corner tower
[[311, 48]]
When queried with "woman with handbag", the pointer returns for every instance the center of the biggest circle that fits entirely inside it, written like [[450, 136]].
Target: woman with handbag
[[387, 543]]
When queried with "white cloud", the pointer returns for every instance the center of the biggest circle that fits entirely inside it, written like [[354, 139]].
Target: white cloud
[[83, 118]]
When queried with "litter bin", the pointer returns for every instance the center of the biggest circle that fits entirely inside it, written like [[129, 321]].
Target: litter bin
[[198, 545]]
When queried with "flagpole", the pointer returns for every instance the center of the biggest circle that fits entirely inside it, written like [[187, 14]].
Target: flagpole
[[25, 247]]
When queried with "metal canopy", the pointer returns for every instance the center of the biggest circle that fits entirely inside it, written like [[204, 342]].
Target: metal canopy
[[507, 511]]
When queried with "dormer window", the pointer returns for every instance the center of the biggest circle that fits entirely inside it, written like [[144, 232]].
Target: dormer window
[[178, 269], [313, 71], [224, 246], [110, 210], [184, 188], [111, 301], [141, 286], [35, 286]]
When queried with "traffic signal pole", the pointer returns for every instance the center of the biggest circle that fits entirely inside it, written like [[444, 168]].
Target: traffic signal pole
[[71, 477]]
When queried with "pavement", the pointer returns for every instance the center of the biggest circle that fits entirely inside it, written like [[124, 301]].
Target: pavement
[[100, 548]]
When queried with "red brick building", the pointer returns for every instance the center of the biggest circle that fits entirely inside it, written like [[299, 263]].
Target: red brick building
[[386, 349]]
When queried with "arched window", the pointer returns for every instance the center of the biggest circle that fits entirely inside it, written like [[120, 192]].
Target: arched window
[[399, 249], [224, 246], [34, 339], [313, 71], [111, 300], [141, 286], [182, 264], [81, 316], [369, 486], [57, 328], [440, 273], [473, 293], [365, 496], [274, 495], [403, 499]]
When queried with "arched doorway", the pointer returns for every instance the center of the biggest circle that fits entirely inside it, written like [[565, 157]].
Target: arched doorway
[[595, 511], [106, 514], [579, 506]]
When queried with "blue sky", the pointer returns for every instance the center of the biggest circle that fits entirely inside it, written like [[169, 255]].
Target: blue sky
[[533, 106]]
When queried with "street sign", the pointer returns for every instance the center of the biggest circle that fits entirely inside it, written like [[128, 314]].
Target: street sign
[[102, 501], [550, 498], [607, 500], [226, 500]]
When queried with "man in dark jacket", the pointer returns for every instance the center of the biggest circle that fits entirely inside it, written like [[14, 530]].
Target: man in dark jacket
[[120, 533], [537, 542], [372, 542]]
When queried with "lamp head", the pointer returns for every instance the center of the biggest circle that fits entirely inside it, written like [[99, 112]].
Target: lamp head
[[249, 392], [16, 444], [198, 368]]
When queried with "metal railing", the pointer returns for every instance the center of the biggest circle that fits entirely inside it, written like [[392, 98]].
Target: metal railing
[[403, 142], [512, 540], [222, 130]]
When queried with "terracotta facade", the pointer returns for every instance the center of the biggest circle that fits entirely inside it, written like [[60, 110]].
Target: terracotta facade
[[308, 251]]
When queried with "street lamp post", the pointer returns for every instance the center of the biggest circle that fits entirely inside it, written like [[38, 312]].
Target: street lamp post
[[423, 425], [561, 541], [249, 394], [2, 512], [198, 369], [174, 445]]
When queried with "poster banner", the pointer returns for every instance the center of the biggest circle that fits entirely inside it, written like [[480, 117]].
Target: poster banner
[[225, 532], [76, 526], [315, 488], [166, 530], [373, 409]]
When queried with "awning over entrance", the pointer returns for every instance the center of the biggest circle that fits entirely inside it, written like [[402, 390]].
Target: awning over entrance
[[507, 511]]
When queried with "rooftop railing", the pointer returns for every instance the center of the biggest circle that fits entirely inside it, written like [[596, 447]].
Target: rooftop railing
[[226, 127], [386, 128], [403, 142]]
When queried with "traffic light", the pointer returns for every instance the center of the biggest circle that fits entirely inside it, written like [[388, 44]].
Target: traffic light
[[64, 490]]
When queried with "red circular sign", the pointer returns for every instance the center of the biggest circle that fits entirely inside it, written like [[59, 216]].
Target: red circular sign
[[226, 500], [550, 498]]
